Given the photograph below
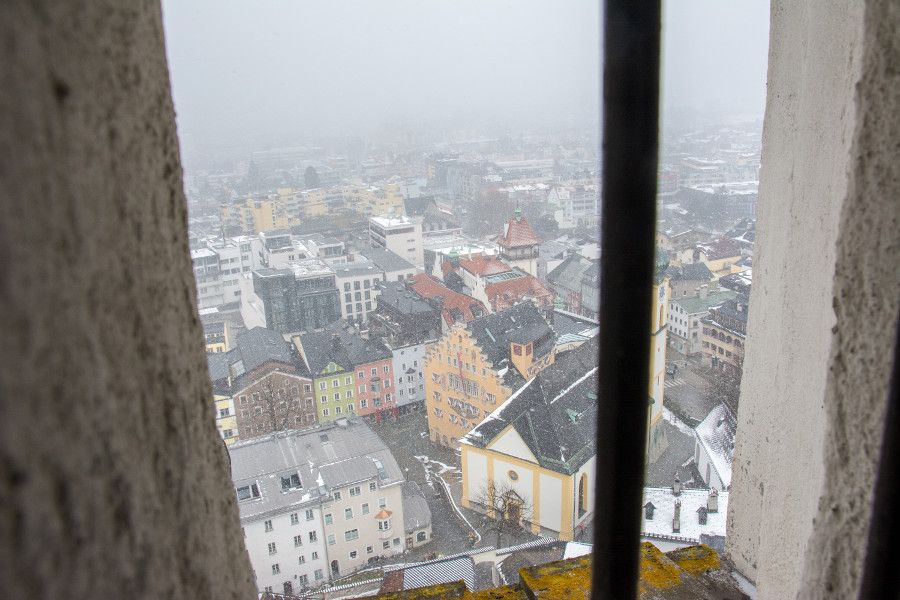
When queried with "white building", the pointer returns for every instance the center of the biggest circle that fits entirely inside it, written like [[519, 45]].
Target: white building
[[317, 504], [684, 318], [279, 501], [357, 282], [400, 235], [218, 266], [575, 205], [278, 248], [714, 447], [409, 364]]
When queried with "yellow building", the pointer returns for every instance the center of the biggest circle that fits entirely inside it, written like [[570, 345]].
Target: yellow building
[[218, 337], [656, 441], [226, 421], [476, 366], [533, 457], [255, 215]]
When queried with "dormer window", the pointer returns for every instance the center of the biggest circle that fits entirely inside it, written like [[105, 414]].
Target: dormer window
[[290, 481], [247, 492]]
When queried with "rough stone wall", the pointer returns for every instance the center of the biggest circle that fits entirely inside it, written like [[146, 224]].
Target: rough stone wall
[[866, 301], [777, 468], [113, 481], [824, 300]]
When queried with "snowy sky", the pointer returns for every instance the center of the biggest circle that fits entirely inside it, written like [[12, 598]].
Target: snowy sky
[[279, 70]]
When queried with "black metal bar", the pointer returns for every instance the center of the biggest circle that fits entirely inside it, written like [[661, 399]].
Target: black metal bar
[[879, 578], [628, 241]]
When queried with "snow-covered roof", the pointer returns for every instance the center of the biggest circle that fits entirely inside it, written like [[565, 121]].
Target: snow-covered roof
[[660, 526], [716, 434]]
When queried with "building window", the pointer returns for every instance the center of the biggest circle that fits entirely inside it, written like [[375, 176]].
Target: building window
[[329, 519], [276, 569], [315, 556], [373, 486], [384, 525], [298, 541], [348, 513], [363, 403], [272, 548], [513, 476], [295, 518], [365, 508], [322, 385], [382, 503], [267, 525], [420, 537], [301, 560], [313, 536], [354, 491], [369, 550], [331, 539], [310, 515], [324, 412], [290, 482], [337, 495], [318, 575], [386, 545], [361, 375], [351, 535], [248, 492]]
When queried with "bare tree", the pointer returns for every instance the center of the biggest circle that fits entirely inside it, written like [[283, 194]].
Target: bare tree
[[507, 510], [280, 408]]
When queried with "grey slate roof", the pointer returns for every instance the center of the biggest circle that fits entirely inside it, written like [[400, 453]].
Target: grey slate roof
[[689, 272], [341, 343], [554, 413], [388, 261], [459, 568], [259, 345], [218, 365], [521, 323], [327, 457], [416, 514], [405, 300]]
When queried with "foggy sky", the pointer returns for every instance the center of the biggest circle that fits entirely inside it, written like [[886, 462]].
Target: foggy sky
[[262, 72]]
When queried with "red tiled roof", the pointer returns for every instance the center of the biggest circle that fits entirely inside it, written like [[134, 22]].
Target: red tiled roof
[[429, 286], [484, 265], [518, 232], [504, 294]]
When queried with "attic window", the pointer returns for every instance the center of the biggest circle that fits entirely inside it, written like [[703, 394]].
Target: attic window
[[290, 482], [247, 492]]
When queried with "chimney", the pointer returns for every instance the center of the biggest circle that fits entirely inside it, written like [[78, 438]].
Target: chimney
[[676, 487], [712, 502], [335, 341], [676, 518], [704, 290], [701, 515]]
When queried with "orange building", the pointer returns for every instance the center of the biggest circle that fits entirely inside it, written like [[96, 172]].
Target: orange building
[[476, 366]]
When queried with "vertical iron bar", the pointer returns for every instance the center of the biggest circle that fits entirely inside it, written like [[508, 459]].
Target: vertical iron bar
[[628, 241]]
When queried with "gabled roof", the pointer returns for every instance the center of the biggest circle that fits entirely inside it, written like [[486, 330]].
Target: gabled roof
[[518, 233], [505, 293], [444, 570], [416, 513], [325, 457], [342, 344], [484, 265], [689, 272], [456, 307], [698, 304], [256, 347], [554, 413], [716, 434], [523, 321], [721, 248]]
